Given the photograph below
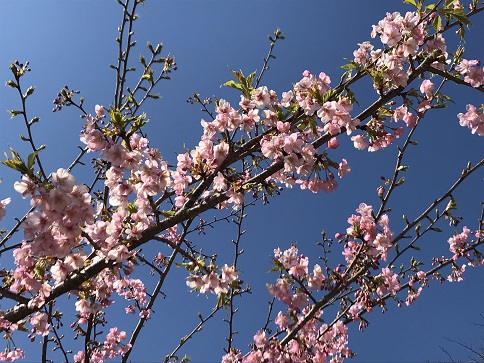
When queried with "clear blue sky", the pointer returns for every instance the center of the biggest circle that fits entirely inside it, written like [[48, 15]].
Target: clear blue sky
[[72, 42]]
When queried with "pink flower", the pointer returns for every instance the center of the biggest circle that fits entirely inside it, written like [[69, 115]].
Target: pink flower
[[229, 274], [390, 282], [465, 66], [359, 142], [300, 269], [283, 127], [79, 357], [26, 187], [317, 279], [249, 120], [94, 140], [391, 34], [246, 103], [145, 314], [39, 322], [234, 356], [293, 143], [286, 98], [473, 119], [398, 131], [184, 161], [282, 320], [410, 47], [3, 204], [458, 242], [99, 110], [260, 339], [261, 97], [361, 54], [343, 168], [427, 87], [11, 355], [115, 154], [475, 77]]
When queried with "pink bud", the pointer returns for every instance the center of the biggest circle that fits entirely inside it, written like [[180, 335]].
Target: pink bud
[[398, 132], [380, 191], [333, 143]]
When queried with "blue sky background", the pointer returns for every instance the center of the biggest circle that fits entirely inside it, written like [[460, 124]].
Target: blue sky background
[[72, 42]]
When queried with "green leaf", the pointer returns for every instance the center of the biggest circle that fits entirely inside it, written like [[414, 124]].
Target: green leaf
[[31, 161], [351, 96], [14, 113], [142, 60], [131, 208], [452, 204], [440, 105], [239, 75], [11, 83], [16, 162], [168, 214], [448, 3], [386, 112], [34, 120], [158, 48], [411, 2], [250, 79], [233, 84], [417, 229], [405, 219], [312, 125], [22, 327], [39, 270], [29, 91], [437, 23], [117, 119], [457, 13], [328, 94]]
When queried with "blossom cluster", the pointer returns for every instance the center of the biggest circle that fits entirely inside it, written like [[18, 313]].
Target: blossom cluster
[[472, 72], [3, 204], [363, 236], [282, 140], [474, 75], [314, 341], [110, 349], [213, 282], [52, 232], [404, 35], [473, 119], [70, 227]]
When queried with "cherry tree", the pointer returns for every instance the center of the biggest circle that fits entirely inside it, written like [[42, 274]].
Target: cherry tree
[[82, 246]]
